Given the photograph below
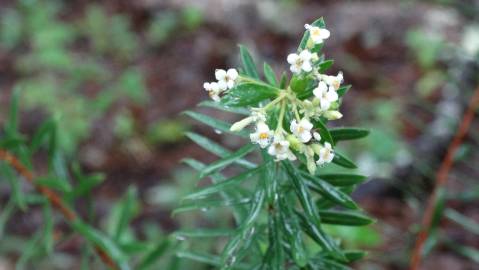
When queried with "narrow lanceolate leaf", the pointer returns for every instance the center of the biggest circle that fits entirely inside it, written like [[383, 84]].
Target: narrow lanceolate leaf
[[208, 204], [354, 255], [293, 233], [204, 233], [343, 161], [270, 75], [343, 90], [344, 134], [318, 235], [219, 125], [325, 65], [248, 63], [154, 255], [96, 237], [11, 126], [220, 186], [248, 94], [330, 192], [209, 259], [227, 160], [43, 132], [348, 218], [221, 107], [216, 149], [54, 183], [342, 179], [126, 212]]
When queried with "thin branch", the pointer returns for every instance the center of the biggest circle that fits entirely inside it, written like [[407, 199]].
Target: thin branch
[[54, 199], [441, 179]]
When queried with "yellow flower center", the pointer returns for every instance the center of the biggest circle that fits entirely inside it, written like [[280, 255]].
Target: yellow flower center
[[263, 136], [315, 31]]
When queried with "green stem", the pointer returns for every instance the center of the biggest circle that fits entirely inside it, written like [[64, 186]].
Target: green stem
[[281, 116]]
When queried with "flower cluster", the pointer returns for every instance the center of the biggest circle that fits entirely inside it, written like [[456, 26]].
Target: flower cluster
[[284, 126], [226, 81]]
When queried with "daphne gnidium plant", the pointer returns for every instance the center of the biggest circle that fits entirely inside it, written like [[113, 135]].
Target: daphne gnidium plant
[[281, 203]]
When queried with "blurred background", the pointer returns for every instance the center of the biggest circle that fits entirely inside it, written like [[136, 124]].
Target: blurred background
[[117, 74]]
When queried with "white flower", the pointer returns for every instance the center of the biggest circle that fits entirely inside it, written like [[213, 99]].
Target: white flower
[[300, 62], [317, 34], [316, 136], [326, 154], [213, 90], [334, 81], [302, 130], [280, 149], [226, 79], [325, 95], [262, 135]]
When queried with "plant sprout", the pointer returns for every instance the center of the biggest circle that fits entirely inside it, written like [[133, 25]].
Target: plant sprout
[[281, 203]]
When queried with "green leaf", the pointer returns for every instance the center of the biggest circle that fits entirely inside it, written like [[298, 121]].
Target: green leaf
[[43, 132], [343, 161], [216, 149], [48, 222], [96, 237], [221, 107], [270, 75], [215, 123], [249, 93], [11, 126], [220, 186], [207, 204], [348, 218], [248, 63], [330, 192], [154, 255], [208, 259], [325, 65], [126, 212], [15, 186], [344, 134], [466, 222], [204, 233], [342, 180], [54, 183], [354, 255], [293, 233], [227, 160], [343, 90], [283, 81], [304, 41]]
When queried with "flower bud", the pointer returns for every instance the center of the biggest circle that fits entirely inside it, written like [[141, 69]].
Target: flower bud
[[333, 115], [316, 148], [294, 143], [311, 165], [238, 126]]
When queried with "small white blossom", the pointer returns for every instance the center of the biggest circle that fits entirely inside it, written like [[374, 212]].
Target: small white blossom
[[259, 115], [280, 149], [325, 94], [316, 136], [326, 154], [317, 34], [262, 135], [301, 62], [302, 130], [213, 90], [226, 79], [333, 81]]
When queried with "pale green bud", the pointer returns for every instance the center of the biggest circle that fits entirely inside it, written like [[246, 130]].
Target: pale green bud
[[316, 148], [333, 115], [294, 143], [311, 165], [238, 126]]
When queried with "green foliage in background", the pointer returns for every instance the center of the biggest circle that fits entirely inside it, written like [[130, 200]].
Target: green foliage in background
[[67, 69]]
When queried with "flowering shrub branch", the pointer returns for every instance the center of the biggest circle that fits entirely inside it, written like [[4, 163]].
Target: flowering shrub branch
[[289, 118]]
